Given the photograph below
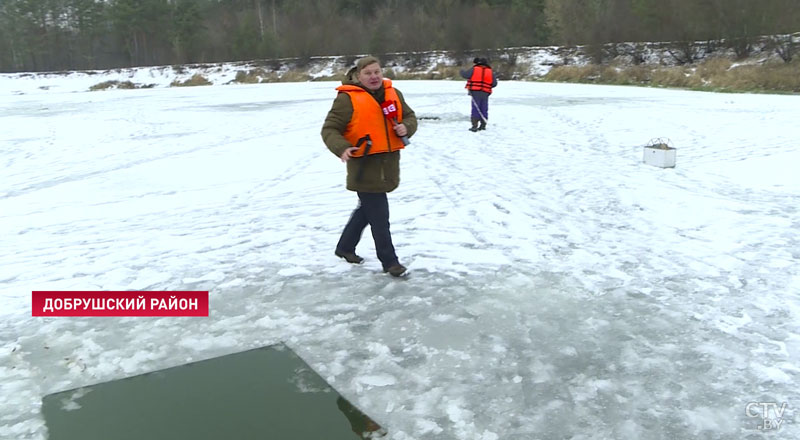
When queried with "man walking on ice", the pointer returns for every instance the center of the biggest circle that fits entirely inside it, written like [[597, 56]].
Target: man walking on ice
[[360, 130]]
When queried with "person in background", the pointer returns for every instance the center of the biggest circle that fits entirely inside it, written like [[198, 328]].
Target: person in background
[[480, 82], [357, 131]]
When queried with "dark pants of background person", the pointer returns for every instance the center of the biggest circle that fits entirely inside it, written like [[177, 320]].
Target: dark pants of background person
[[372, 210], [480, 106]]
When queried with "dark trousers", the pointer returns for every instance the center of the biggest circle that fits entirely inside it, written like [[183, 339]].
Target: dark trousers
[[480, 105], [372, 210]]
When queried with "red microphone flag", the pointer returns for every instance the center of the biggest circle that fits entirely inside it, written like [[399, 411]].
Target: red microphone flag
[[390, 111]]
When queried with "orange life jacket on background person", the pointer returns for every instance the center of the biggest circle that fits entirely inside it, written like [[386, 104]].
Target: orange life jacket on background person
[[481, 80], [368, 119]]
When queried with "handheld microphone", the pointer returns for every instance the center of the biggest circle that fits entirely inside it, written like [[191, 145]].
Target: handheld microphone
[[390, 112]]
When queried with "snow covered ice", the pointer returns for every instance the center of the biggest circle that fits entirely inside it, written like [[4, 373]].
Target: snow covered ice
[[560, 288]]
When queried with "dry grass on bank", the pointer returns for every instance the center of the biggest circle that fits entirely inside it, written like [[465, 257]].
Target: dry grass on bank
[[105, 85], [714, 74], [195, 80], [114, 84], [254, 76], [295, 76]]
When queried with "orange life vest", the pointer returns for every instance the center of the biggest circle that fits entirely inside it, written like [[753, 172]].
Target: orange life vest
[[481, 79], [368, 119]]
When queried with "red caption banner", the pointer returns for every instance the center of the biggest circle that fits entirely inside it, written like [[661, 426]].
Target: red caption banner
[[119, 303]]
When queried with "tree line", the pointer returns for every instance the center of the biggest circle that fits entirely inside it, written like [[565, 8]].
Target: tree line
[[47, 35]]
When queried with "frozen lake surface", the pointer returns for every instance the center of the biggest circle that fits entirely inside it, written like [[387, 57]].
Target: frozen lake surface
[[559, 287]]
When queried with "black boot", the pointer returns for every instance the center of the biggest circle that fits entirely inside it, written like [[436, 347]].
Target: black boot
[[350, 257], [474, 125], [483, 125], [396, 270]]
